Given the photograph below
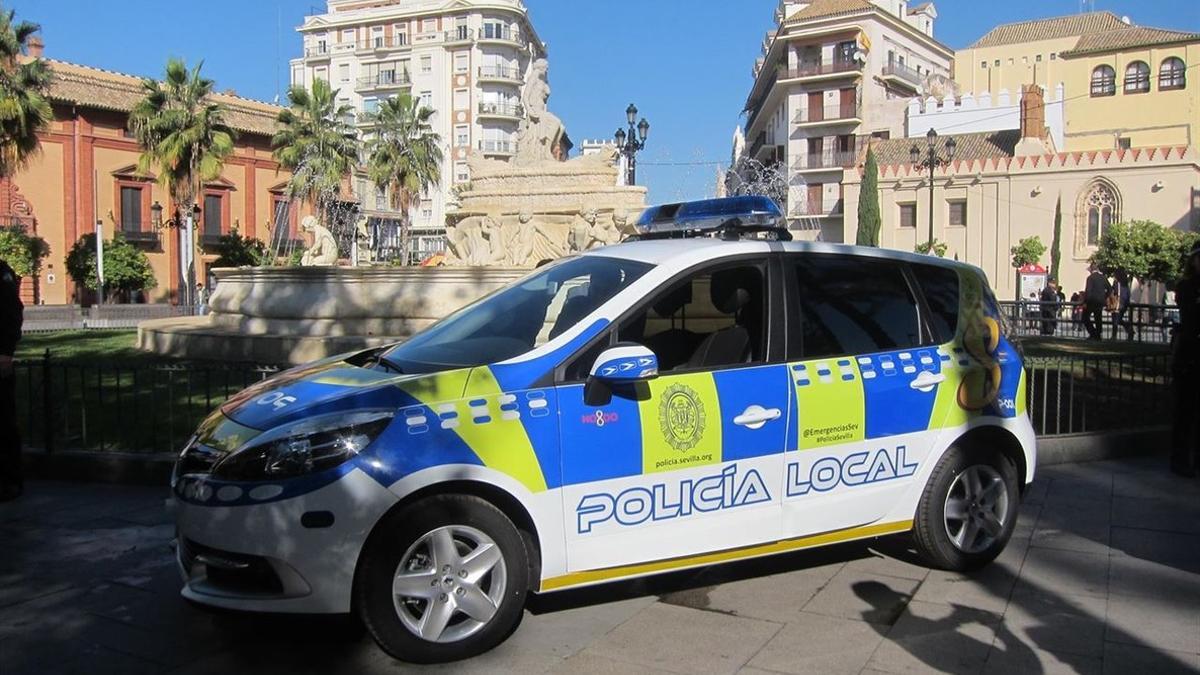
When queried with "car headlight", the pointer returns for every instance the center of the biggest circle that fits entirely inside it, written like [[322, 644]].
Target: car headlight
[[303, 447]]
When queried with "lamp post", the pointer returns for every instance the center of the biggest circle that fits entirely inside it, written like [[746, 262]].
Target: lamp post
[[187, 256], [629, 144], [931, 159]]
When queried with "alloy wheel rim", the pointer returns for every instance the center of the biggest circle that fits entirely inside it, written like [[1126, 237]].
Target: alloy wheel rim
[[449, 584], [976, 509]]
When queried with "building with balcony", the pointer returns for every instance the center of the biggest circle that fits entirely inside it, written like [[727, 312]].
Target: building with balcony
[[833, 74], [1127, 85], [466, 59]]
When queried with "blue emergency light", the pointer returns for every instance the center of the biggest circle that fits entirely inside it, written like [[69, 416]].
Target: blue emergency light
[[726, 216]]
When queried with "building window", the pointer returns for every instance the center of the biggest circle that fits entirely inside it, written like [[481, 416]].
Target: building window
[[370, 105], [426, 64], [996, 64], [461, 173], [1101, 209], [1104, 81], [381, 203], [321, 73], [462, 99], [426, 210], [281, 229], [845, 51], [1137, 78], [1124, 143], [462, 137], [131, 209], [213, 215], [400, 34], [983, 65], [344, 72], [908, 215], [958, 212], [377, 39], [461, 62], [348, 35], [1053, 56], [428, 25], [1038, 59], [1172, 74], [426, 99]]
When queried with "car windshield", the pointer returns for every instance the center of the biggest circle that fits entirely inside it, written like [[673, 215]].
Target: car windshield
[[519, 317]]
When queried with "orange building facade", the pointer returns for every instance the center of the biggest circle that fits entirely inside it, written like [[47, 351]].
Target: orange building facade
[[86, 171]]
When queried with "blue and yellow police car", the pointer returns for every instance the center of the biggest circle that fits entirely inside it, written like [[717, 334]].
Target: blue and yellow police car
[[707, 391]]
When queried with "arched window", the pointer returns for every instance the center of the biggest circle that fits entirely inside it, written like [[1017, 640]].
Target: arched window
[[1104, 81], [1172, 74], [1137, 78], [1100, 207]]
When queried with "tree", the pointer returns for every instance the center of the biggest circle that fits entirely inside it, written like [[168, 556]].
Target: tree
[[22, 251], [24, 84], [1144, 250], [404, 155], [234, 250], [126, 268], [868, 203], [935, 247], [1028, 251], [1056, 242], [316, 143]]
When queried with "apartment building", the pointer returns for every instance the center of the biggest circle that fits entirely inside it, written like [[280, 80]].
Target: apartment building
[[833, 74], [466, 59], [1126, 85]]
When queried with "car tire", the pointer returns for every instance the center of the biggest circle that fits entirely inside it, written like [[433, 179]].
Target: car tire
[[968, 510], [421, 588]]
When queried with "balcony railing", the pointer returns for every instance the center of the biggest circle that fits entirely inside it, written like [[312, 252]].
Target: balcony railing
[[501, 109], [500, 73], [384, 80], [816, 69], [498, 147], [830, 159], [817, 210], [491, 32], [316, 51], [460, 34], [900, 71], [395, 42], [830, 113]]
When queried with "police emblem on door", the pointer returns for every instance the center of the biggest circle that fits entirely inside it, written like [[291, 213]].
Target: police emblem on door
[[681, 417]]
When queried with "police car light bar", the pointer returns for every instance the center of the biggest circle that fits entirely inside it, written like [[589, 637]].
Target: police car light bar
[[731, 216]]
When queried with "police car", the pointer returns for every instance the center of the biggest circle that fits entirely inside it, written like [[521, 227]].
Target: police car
[[707, 392]]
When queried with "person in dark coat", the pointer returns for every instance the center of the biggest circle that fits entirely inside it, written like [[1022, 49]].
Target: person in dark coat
[[11, 316], [1095, 292], [1185, 371], [1049, 304], [1121, 316]]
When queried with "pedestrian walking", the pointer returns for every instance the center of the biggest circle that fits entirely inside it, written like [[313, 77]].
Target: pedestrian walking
[[11, 315], [1095, 292], [1050, 303], [1185, 371], [1119, 305]]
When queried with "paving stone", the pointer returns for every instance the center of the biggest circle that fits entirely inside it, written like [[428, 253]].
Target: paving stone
[[777, 597], [1078, 482], [1004, 661], [813, 643], [886, 562], [987, 589], [685, 640], [864, 597], [1167, 622], [1134, 576], [1074, 525], [591, 664], [1047, 621], [1156, 484], [932, 636], [564, 633], [1063, 572], [1181, 551], [1123, 659], [1156, 514]]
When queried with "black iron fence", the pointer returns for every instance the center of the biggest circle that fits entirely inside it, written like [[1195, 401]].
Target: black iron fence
[[1090, 394], [44, 318], [1139, 322], [127, 407]]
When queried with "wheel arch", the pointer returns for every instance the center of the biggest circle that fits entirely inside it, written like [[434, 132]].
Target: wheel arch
[[998, 438]]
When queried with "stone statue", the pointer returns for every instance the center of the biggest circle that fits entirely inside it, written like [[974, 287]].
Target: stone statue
[[590, 231], [540, 129], [324, 250]]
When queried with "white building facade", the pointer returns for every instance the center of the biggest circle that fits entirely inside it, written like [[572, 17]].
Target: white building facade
[[968, 114], [468, 60], [834, 74]]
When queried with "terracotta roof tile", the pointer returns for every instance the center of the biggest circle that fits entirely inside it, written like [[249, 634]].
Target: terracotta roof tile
[[971, 147], [819, 9], [108, 90], [1129, 37], [1050, 29]]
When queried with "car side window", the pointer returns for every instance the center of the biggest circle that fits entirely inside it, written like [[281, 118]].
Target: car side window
[[939, 285], [713, 318], [852, 306]]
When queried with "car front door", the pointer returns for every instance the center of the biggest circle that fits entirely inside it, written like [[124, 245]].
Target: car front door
[[690, 461], [866, 383]]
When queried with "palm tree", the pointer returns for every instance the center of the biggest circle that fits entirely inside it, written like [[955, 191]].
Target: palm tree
[[405, 156], [183, 135], [24, 85], [317, 143]]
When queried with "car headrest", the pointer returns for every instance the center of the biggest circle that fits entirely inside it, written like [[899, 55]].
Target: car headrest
[[730, 289], [673, 301]]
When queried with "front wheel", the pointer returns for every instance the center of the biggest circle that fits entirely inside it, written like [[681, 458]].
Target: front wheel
[[442, 579], [968, 510]]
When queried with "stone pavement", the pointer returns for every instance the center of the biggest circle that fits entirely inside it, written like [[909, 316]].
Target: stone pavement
[[1103, 576]]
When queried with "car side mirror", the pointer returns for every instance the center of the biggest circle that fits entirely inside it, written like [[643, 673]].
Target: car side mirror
[[625, 364]]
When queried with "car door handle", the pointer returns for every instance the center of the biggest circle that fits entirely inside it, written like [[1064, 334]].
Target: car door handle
[[927, 380], [756, 416]]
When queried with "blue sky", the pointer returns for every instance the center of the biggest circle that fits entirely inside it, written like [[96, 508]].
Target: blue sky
[[685, 63]]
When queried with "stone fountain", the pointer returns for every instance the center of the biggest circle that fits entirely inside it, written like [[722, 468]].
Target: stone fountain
[[510, 217]]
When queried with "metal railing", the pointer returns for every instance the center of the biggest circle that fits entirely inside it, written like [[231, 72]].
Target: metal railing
[[395, 42], [460, 34], [829, 113], [817, 210], [385, 79], [501, 109], [499, 147], [826, 160], [1095, 394], [492, 32], [1141, 322], [903, 72], [107, 407], [814, 69], [44, 318], [500, 73]]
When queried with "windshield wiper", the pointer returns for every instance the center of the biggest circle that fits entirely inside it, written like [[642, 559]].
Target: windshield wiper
[[380, 359]]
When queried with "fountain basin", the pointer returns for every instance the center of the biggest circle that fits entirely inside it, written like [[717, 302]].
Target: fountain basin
[[300, 314]]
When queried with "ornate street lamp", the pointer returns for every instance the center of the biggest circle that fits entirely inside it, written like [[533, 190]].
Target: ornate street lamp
[[931, 159], [631, 142], [187, 264]]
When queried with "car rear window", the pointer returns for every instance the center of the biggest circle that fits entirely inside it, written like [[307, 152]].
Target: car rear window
[[939, 285]]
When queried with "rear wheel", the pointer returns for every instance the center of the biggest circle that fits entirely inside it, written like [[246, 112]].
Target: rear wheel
[[968, 510], [442, 579]]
